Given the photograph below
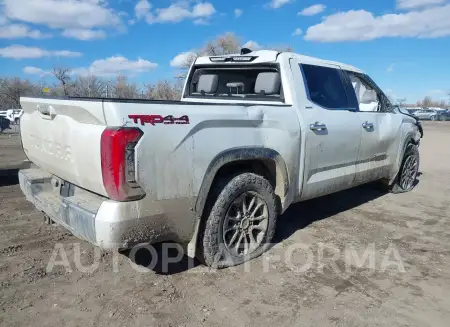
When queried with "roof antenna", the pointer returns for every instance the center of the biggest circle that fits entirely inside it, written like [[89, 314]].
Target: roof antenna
[[245, 51]]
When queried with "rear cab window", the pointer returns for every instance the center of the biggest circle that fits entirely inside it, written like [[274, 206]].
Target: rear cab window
[[236, 82]]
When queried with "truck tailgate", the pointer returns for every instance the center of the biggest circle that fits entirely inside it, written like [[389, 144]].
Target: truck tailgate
[[63, 137]]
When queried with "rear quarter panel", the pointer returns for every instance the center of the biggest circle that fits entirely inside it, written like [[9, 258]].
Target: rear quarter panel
[[173, 159]]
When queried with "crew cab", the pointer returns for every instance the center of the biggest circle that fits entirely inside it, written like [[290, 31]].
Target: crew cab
[[253, 133]]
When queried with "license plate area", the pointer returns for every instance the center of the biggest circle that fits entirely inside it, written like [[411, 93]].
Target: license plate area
[[66, 189]]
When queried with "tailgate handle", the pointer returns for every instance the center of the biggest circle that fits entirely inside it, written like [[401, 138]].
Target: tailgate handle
[[46, 112]]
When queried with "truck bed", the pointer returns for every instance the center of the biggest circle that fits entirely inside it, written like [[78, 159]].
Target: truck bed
[[209, 102]]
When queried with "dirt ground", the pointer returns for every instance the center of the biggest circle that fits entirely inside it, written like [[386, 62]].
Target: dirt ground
[[308, 279], [11, 154]]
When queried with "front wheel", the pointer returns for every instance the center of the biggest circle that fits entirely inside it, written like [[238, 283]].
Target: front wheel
[[433, 118], [407, 175], [241, 223]]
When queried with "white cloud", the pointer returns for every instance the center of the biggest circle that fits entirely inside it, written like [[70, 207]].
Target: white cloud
[[409, 4], [35, 71], [116, 65], [298, 31], [252, 45], [313, 10], [180, 60], [15, 31], [362, 25], [3, 20], [201, 21], [24, 52], [238, 12], [142, 9], [84, 34], [390, 68], [63, 14], [176, 12], [275, 4], [203, 10]]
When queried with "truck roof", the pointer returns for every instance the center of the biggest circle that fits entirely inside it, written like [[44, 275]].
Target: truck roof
[[267, 56]]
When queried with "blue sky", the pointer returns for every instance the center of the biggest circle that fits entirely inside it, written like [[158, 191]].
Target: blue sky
[[403, 44]]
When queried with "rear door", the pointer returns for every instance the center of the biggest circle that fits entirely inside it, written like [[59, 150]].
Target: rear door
[[63, 137], [380, 129], [332, 129]]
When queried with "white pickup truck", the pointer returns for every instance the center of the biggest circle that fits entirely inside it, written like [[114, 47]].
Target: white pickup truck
[[253, 133]]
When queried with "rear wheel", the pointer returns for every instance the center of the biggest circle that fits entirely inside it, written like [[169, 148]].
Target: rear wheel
[[406, 178], [241, 223]]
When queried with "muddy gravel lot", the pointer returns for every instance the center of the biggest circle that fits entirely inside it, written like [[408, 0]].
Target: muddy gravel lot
[[11, 154], [357, 258]]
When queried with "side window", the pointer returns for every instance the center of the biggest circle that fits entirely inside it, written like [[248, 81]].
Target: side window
[[325, 87], [370, 97], [367, 97]]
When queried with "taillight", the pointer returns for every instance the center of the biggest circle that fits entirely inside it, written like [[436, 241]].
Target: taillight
[[118, 163]]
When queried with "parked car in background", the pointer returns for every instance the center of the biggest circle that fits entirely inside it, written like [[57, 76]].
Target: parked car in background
[[427, 114], [444, 115], [410, 111], [4, 123], [14, 116]]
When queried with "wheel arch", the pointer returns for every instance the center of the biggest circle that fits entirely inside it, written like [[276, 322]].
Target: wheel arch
[[265, 161], [409, 139]]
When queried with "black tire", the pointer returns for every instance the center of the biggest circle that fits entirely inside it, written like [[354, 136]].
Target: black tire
[[398, 185], [17, 121], [433, 118], [214, 251]]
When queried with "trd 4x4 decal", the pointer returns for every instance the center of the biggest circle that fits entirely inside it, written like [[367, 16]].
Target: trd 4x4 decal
[[158, 119]]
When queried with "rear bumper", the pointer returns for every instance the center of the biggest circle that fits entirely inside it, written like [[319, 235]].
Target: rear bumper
[[100, 221]]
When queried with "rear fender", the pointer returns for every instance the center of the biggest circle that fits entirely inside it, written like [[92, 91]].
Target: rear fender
[[234, 155], [230, 156]]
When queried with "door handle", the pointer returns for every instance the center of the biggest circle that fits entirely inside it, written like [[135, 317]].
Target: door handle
[[317, 126], [367, 125]]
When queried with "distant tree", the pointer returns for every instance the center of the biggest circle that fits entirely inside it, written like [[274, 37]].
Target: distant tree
[[62, 74], [224, 44], [427, 102], [227, 43], [123, 89], [163, 90], [401, 102], [11, 89], [89, 86]]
